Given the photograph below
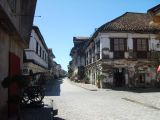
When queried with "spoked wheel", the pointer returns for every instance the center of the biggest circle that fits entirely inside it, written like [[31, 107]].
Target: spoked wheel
[[33, 94], [38, 94], [25, 99], [38, 98]]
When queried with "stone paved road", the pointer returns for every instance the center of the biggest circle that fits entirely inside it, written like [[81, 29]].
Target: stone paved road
[[76, 103]]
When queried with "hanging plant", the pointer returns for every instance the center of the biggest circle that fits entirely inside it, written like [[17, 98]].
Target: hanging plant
[[21, 80]]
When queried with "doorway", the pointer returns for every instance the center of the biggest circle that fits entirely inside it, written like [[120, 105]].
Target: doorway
[[119, 77], [13, 89]]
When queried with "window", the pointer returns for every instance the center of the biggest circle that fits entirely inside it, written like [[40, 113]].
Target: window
[[93, 53], [98, 46], [43, 55], [140, 46], [86, 56], [37, 47], [98, 50], [40, 51], [90, 56], [118, 46], [46, 58]]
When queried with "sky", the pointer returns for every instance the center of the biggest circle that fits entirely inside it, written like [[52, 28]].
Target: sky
[[61, 20]]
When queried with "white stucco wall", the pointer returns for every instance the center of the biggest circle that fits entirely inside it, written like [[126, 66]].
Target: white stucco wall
[[153, 43], [105, 40], [34, 38], [31, 51], [130, 42]]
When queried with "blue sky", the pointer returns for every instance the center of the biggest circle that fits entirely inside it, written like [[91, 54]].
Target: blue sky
[[62, 19]]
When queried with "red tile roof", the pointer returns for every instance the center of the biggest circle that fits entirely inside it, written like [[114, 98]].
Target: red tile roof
[[130, 22]]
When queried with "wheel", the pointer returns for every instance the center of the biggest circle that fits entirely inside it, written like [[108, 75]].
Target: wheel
[[25, 98], [37, 94]]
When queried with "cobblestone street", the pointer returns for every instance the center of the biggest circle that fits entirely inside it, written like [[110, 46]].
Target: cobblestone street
[[77, 103]]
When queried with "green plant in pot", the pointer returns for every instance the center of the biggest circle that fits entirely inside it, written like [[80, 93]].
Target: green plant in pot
[[99, 80], [86, 80]]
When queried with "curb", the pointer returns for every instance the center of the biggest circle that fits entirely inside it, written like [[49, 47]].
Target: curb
[[87, 88], [94, 89]]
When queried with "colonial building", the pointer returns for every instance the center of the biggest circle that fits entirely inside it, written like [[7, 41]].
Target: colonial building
[[58, 71], [51, 65], [123, 52], [36, 59], [15, 27], [78, 57]]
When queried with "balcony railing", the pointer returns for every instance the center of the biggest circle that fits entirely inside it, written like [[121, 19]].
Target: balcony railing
[[31, 55]]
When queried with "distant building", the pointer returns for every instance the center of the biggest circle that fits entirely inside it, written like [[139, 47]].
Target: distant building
[[77, 64], [36, 59], [58, 69], [51, 65], [15, 27]]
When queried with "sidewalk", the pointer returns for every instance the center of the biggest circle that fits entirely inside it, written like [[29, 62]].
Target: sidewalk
[[89, 87]]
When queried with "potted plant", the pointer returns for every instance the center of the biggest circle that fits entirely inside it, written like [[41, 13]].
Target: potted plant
[[86, 80], [14, 84], [99, 80]]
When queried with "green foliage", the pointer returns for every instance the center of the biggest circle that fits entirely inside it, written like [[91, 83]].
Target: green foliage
[[21, 80], [100, 77], [86, 79]]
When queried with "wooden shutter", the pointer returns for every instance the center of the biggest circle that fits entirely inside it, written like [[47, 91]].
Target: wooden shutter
[[147, 44], [111, 44], [125, 44], [134, 45]]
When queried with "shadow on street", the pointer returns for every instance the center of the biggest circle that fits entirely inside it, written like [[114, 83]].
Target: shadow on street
[[40, 113], [57, 118], [53, 87]]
